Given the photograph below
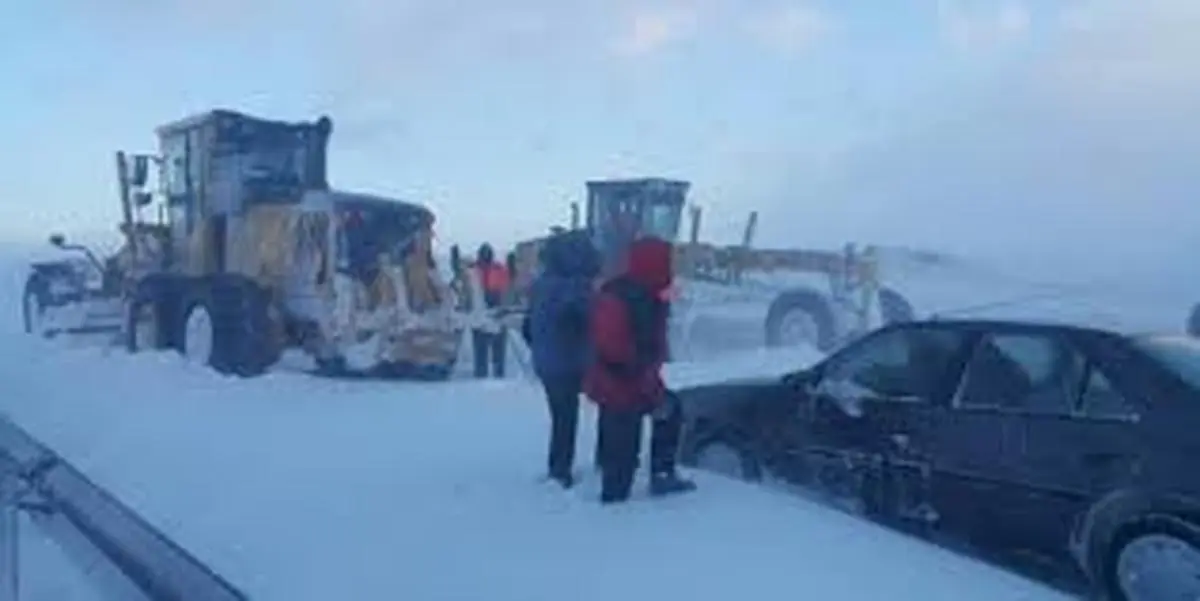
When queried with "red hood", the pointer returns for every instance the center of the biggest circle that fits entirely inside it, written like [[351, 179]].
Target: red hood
[[650, 263]]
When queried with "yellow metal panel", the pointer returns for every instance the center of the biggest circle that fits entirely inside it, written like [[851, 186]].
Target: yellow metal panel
[[266, 244]]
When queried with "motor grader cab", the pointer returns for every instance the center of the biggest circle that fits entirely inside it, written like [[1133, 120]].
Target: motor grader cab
[[826, 298], [616, 213], [252, 253], [621, 211]]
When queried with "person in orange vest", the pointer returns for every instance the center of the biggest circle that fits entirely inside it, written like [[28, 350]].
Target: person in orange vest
[[489, 343]]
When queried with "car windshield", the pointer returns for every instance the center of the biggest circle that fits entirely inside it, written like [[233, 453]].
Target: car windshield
[[1178, 354]]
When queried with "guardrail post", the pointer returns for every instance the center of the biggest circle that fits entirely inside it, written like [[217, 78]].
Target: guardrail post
[[123, 556], [10, 536]]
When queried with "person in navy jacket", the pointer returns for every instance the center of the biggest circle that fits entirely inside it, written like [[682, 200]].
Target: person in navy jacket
[[557, 333]]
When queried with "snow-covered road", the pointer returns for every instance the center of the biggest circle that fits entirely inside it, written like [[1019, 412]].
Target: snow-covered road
[[298, 488]]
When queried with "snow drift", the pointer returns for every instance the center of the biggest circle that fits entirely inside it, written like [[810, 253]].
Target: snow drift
[[299, 488]]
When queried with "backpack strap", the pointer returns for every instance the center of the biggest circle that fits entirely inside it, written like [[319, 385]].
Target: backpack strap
[[646, 315]]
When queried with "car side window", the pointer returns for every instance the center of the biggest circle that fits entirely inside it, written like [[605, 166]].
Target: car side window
[[1035, 373], [1101, 399], [900, 365]]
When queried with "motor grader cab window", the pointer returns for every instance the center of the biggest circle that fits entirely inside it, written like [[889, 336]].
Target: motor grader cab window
[[176, 183], [661, 219], [635, 213], [262, 161], [175, 155], [272, 159], [621, 211]]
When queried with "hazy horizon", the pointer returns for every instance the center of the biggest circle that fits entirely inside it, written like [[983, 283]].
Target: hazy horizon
[[1052, 137]]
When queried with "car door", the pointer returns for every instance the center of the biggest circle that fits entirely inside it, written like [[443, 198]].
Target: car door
[[972, 465], [1076, 445], [1019, 450], [874, 408]]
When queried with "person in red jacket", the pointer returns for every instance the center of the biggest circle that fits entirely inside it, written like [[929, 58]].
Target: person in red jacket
[[489, 343], [629, 337]]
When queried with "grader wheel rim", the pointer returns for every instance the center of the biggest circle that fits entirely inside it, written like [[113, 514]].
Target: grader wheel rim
[[33, 309], [145, 328], [798, 327], [198, 336]]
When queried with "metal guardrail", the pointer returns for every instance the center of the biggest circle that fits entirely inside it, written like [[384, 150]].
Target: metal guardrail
[[124, 556]]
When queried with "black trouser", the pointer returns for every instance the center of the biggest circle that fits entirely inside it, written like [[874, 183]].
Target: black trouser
[[621, 441], [489, 345], [562, 396]]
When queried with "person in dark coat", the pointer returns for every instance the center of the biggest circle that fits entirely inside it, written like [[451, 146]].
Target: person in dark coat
[[489, 343], [629, 333], [557, 333]]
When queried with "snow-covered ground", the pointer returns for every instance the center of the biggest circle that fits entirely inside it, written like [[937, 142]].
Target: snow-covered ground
[[300, 488], [45, 573]]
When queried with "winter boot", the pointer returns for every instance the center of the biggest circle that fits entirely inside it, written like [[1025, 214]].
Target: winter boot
[[613, 498], [616, 485], [669, 483], [566, 480]]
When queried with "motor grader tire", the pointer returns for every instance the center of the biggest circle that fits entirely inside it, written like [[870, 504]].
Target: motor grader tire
[[227, 324], [151, 314], [801, 317], [894, 308]]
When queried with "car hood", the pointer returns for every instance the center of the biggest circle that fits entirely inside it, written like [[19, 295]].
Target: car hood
[[721, 397], [752, 381]]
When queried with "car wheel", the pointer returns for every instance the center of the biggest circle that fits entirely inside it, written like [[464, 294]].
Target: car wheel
[[722, 457], [1154, 560]]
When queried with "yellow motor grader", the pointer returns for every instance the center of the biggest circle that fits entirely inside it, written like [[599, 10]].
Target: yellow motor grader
[[248, 252], [773, 297]]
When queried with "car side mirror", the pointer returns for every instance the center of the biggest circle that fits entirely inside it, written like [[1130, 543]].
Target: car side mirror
[[58, 240]]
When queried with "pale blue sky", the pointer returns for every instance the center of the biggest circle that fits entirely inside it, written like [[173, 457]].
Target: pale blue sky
[[867, 119]]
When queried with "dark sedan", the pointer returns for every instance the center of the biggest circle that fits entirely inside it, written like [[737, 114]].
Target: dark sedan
[[1061, 441]]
